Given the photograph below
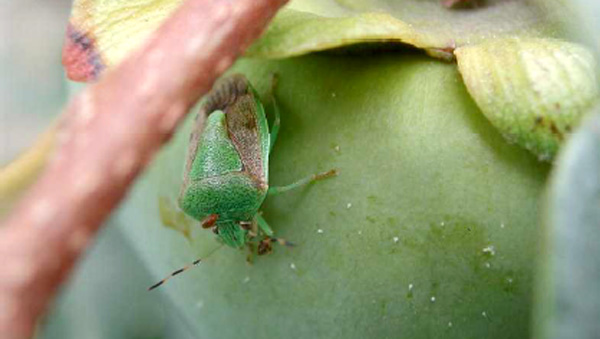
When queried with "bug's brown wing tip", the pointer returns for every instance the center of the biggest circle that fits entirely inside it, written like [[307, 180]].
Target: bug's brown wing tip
[[225, 92]]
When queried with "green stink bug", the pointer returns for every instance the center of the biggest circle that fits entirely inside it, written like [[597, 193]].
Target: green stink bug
[[227, 170]]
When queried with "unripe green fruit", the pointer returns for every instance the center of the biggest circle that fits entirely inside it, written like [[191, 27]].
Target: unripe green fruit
[[429, 231]]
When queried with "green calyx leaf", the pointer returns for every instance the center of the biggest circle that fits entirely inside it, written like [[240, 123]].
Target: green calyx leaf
[[309, 26], [533, 90], [568, 300]]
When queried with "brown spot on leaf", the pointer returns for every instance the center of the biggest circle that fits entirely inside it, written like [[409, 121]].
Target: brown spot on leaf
[[80, 57]]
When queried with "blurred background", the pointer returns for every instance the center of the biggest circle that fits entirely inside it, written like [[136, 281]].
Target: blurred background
[[31, 87], [97, 301]]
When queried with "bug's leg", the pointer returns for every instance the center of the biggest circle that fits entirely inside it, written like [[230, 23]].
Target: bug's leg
[[265, 245], [277, 120], [252, 228], [181, 270], [315, 177], [263, 225]]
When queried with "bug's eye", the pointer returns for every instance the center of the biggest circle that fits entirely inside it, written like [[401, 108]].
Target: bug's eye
[[215, 230]]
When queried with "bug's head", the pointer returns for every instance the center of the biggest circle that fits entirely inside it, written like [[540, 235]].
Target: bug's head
[[231, 233]]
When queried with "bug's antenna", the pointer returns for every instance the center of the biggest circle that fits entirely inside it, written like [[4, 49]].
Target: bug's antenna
[[196, 262], [183, 269], [283, 242]]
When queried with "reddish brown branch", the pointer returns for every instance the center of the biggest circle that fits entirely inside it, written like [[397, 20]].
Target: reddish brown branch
[[108, 134]]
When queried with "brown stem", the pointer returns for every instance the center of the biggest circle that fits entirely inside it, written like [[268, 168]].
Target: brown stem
[[107, 136]]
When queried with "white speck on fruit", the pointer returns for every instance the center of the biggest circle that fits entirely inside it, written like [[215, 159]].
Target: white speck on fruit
[[293, 266], [320, 231], [333, 95], [337, 148], [432, 299], [359, 232], [489, 250], [509, 280], [396, 239], [442, 224], [502, 225], [349, 205], [488, 265], [246, 279], [484, 314], [449, 324], [410, 287]]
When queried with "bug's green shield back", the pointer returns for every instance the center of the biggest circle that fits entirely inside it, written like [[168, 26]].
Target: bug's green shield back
[[231, 137], [246, 123]]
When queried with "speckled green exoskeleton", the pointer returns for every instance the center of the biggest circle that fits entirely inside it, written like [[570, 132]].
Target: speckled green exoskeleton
[[226, 177]]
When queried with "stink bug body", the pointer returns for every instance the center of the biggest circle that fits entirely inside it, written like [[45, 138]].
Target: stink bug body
[[226, 177]]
